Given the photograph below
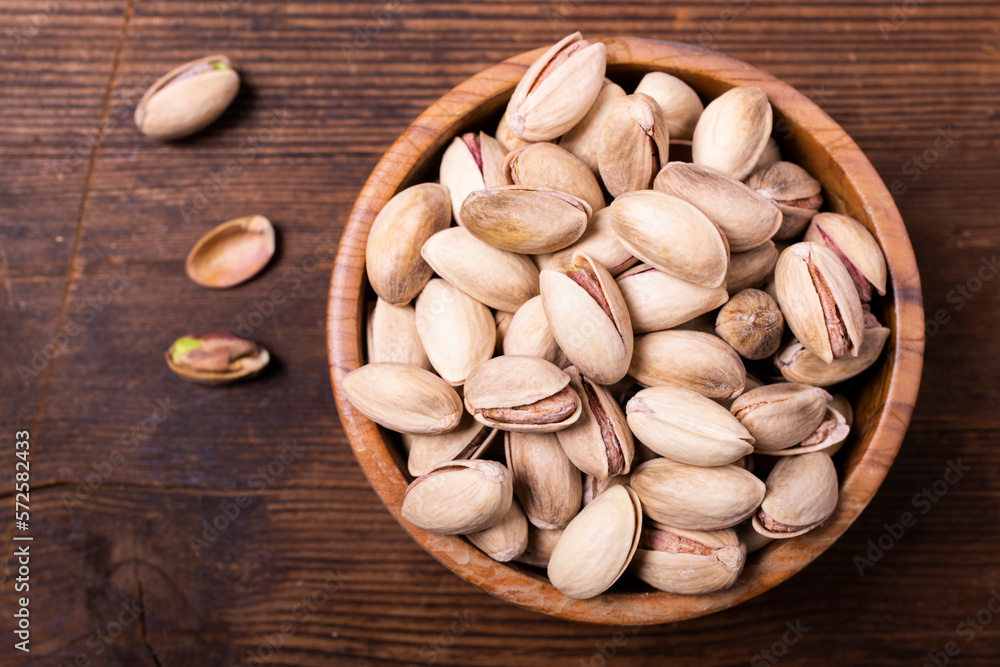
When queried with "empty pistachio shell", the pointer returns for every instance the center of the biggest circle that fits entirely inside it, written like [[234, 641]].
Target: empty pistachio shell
[[671, 235], [856, 248], [819, 300], [689, 562], [733, 131], [466, 442], [687, 427], [395, 268], [695, 497], [231, 253], [584, 140], [518, 393], [680, 104], [529, 334], [751, 268], [505, 540], [473, 161], [187, 98], [546, 165], [658, 301], [403, 398], [507, 138], [459, 497], [798, 364], [497, 278], [392, 335], [525, 220], [747, 219], [545, 481], [597, 546], [601, 243], [458, 332], [557, 90], [599, 443], [541, 543], [216, 358], [690, 359], [634, 144], [589, 319], [801, 494], [781, 415], [751, 323], [828, 437], [796, 194]]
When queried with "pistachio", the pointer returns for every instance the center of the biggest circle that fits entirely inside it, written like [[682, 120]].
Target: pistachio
[[689, 359], [842, 407], [597, 546], [601, 243], [473, 161], [671, 235], [801, 495], [828, 437], [798, 364], [751, 383], [658, 301], [687, 427], [634, 144], [525, 220], [395, 268], [518, 393], [529, 335], [545, 481], [796, 194], [772, 153], [557, 90], [546, 165], [497, 278], [733, 131], [752, 324], [466, 442], [505, 540], [599, 443], [751, 268], [781, 415], [695, 497], [392, 335], [458, 333], [584, 140], [680, 104], [819, 300], [747, 219], [593, 486], [589, 319], [507, 138], [541, 543], [689, 562], [187, 98], [403, 398], [232, 253], [856, 248], [459, 497], [216, 358]]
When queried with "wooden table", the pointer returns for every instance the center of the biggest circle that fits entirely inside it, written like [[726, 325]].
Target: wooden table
[[182, 525]]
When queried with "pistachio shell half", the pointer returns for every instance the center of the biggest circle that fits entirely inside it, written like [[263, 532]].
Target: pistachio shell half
[[403, 398], [600, 442], [584, 140], [232, 253], [798, 364], [525, 220], [459, 497], [856, 248], [828, 437], [545, 481], [689, 359], [658, 301], [801, 494], [216, 358], [680, 104], [187, 98], [689, 562], [634, 144], [473, 161], [518, 393], [733, 131], [546, 165], [505, 540], [781, 415]]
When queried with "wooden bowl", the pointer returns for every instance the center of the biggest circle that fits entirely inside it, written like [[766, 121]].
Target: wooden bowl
[[885, 395]]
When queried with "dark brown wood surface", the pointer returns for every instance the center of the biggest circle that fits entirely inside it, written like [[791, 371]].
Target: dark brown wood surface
[[129, 463]]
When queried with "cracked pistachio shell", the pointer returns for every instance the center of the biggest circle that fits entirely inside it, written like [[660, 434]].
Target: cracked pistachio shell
[[671, 235], [541, 543], [751, 268], [790, 187], [798, 364], [497, 278], [856, 248], [688, 562], [751, 323], [216, 358], [634, 144], [546, 165], [392, 335], [598, 545], [593, 486], [584, 140], [658, 301], [545, 481], [473, 161], [689, 359], [695, 497], [519, 393], [458, 333], [680, 104], [747, 219], [733, 131], [403, 398], [589, 319], [395, 268], [525, 220], [599, 443], [601, 243], [557, 90], [466, 442], [828, 437], [687, 427], [802, 493], [505, 540], [819, 300], [781, 415], [232, 253], [529, 334], [188, 98], [459, 497]]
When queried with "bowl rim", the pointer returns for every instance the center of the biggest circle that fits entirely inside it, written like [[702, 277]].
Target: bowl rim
[[859, 192]]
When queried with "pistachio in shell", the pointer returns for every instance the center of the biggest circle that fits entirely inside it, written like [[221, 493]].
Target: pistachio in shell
[[798, 364], [187, 98], [507, 138], [751, 268], [634, 144], [541, 543], [658, 300], [751, 323], [505, 540], [733, 131], [232, 253], [546, 165], [216, 358], [601, 243], [458, 333], [793, 190], [781, 415], [600, 442], [584, 140], [679, 102], [459, 497], [802, 493], [545, 481], [466, 442], [403, 398], [855, 246], [520, 393], [828, 437], [473, 161], [525, 220], [689, 359], [392, 335], [688, 562], [529, 334]]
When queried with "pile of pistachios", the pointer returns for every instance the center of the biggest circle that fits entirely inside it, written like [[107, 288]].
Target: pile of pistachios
[[618, 262]]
